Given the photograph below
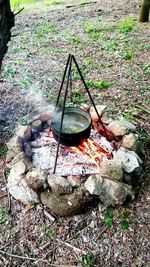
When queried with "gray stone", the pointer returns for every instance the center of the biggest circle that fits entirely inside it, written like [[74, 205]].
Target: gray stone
[[129, 159], [66, 205], [106, 118], [129, 141], [24, 132], [20, 160], [85, 106], [37, 179], [27, 149], [15, 144], [110, 192], [10, 155], [93, 185], [75, 181], [19, 168], [19, 189], [17, 158], [100, 108], [127, 124], [111, 169], [117, 128], [37, 125], [59, 184]]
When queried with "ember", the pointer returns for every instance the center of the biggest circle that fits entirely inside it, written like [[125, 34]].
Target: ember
[[79, 160]]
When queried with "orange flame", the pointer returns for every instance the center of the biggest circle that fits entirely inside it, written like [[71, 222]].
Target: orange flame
[[92, 150]]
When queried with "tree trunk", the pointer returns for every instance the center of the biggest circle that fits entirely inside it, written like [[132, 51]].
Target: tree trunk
[[6, 23], [144, 15]]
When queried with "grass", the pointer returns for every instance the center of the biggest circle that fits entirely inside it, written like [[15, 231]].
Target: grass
[[87, 260], [3, 217], [126, 25], [30, 2], [99, 84]]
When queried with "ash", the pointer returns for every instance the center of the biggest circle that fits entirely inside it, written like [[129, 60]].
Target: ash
[[69, 162]]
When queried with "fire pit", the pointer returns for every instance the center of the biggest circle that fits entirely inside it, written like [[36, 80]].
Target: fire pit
[[66, 165], [97, 168]]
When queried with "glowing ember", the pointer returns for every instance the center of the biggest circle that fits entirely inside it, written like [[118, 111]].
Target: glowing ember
[[92, 150], [82, 160]]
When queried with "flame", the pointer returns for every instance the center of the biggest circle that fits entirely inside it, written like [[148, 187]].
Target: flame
[[90, 148]]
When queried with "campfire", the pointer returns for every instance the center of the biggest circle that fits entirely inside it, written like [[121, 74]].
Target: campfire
[[72, 160], [66, 169]]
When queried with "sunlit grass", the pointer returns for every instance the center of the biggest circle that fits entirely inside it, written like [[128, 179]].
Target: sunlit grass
[[31, 2]]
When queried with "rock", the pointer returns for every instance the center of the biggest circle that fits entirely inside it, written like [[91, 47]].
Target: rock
[[129, 159], [110, 192], [129, 141], [100, 108], [19, 189], [117, 128], [66, 205], [59, 184], [106, 118], [93, 185], [24, 132], [15, 144], [85, 106], [46, 115], [37, 125], [21, 159], [17, 158], [111, 169], [10, 155], [19, 168], [75, 181], [27, 149], [37, 180], [130, 126]]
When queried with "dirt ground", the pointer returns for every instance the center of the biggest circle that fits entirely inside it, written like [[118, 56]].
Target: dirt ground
[[113, 51]]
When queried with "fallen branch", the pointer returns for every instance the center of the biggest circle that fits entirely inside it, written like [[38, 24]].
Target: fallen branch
[[146, 110], [8, 195], [49, 216], [32, 259], [71, 246]]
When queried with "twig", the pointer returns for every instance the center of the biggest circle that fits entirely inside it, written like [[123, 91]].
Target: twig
[[147, 110], [32, 259], [19, 11], [71, 246], [49, 216], [102, 232], [20, 257], [8, 194]]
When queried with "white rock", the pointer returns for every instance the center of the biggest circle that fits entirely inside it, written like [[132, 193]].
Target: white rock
[[130, 126], [59, 184], [93, 184], [129, 141], [106, 118], [75, 181], [15, 144], [24, 132], [117, 128], [110, 192], [100, 108], [19, 189], [111, 169], [37, 179], [129, 159]]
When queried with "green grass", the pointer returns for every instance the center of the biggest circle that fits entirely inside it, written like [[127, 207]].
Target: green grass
[[99, 84], [30, 2], [126, 25]]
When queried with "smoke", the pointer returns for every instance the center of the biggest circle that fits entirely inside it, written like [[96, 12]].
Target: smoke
[[37, 102]]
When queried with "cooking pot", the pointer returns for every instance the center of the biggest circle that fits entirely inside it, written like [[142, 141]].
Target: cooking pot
[[76, 126]]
